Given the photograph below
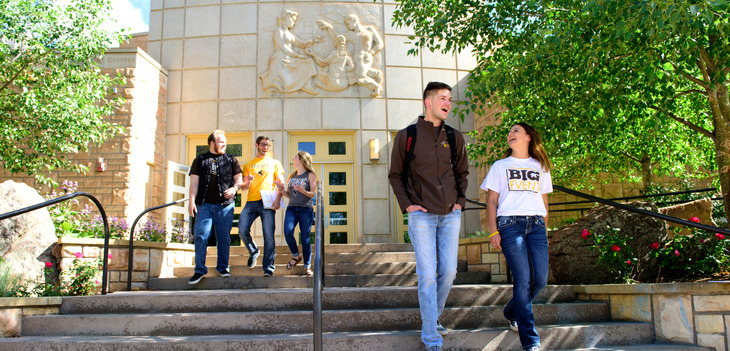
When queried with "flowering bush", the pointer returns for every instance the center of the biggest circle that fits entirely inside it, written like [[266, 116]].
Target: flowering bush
[[66, 215], [150, 231], [614, 253], [699, 254], [118, 228], [180, 234], [82, 280]]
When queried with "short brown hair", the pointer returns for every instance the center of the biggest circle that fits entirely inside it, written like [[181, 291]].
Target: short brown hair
[[258, 140], [432, 87]]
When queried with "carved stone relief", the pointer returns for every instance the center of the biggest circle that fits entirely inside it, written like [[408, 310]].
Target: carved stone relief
[[296, 65]]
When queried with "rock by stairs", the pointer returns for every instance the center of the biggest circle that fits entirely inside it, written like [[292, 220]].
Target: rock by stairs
[[257, 313]]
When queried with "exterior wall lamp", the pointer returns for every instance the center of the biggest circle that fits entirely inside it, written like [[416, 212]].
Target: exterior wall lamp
[[374, 149]]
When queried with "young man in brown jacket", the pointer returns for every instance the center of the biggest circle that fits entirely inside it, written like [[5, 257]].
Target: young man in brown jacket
[[429, 180]]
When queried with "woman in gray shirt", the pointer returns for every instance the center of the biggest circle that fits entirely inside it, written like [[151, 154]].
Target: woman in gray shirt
[[300, 191]]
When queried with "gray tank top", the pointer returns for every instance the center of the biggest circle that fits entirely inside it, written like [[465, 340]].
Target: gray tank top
[[296, 198]]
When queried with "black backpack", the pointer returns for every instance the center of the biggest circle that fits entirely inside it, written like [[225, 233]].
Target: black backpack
[[410, 145]]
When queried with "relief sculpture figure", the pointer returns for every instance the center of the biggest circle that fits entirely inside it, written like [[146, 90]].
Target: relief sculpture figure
[[289, 70], [366, 42], [339, 69]]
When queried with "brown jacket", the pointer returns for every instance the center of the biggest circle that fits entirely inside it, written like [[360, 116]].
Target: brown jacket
[[434, 186]]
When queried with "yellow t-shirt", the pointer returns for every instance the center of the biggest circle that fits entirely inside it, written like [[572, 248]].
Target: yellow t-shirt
[[263, 169]]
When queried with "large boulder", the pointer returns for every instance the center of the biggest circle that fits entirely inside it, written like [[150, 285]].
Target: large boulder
[[26, 241], [701, 209], [573, 261]]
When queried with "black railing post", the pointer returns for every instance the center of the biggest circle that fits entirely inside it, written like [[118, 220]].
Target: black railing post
[[131, 238], [104, 278], [318, 270]]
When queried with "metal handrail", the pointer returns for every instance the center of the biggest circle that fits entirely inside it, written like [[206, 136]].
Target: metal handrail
[[638, 196], [131, 238], [318, 270], [104, 279], [642, 211], [482, 206]]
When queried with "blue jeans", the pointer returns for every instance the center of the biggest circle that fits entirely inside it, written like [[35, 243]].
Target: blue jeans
[[213, 217], [435, 241], [250, 212], [304, 216], [525, 247]]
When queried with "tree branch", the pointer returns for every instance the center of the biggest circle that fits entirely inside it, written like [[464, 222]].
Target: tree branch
[[685, 122]]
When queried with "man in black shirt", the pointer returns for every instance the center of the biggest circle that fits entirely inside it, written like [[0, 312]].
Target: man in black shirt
[[215, 178]]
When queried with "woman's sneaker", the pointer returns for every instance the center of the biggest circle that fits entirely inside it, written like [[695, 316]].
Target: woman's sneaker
[[440, 329]]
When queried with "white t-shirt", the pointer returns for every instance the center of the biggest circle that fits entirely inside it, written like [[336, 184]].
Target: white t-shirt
[[520, 183]]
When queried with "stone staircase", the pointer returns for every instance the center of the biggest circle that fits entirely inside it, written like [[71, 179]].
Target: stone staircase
[[370, 303]]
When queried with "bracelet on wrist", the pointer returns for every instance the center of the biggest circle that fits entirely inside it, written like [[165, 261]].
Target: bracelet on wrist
[[493, 234]]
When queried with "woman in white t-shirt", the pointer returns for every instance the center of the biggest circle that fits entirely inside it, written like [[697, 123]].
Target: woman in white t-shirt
[[517, 210]]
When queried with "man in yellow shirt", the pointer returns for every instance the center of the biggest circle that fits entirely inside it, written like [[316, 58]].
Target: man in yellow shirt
[[261, 173]]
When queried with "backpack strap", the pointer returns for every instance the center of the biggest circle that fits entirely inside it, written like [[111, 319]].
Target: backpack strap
[[410, 146], [451, 137]]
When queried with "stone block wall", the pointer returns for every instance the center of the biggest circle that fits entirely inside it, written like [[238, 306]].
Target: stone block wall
[[481, 257], [151, 259], [13, 309], [689, 313]]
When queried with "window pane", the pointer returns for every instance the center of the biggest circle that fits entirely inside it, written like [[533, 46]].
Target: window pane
[[337, 148], [338, 218], [308, 146], [338, 238], [236, 150], [338, 178], [338, 198], [201, 149]]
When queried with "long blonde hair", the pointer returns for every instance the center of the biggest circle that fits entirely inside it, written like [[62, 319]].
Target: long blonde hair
[[306, 159], [536, 150]]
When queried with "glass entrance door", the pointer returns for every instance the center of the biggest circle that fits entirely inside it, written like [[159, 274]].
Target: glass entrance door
[[332, 156]]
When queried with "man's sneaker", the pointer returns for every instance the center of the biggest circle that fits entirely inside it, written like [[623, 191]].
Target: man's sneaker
[[252, 259], [268, 274], [225, 273], [513, 326], [434, 348], [196, 278], [534, 348], [441, 329]]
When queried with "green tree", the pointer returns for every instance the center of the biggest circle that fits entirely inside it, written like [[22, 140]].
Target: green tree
[[612, 85], [52, 93]]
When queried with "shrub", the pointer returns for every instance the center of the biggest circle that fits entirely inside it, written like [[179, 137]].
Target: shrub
[[614, 253], [150, 231]]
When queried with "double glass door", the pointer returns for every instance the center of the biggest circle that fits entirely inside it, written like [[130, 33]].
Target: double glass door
[[332, 156]]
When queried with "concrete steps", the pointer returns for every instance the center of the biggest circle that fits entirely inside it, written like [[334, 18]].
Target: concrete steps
[[370, 302], [598, 336]]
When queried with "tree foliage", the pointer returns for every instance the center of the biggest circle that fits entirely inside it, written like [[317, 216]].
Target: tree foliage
[[613, 85], [52, 93]]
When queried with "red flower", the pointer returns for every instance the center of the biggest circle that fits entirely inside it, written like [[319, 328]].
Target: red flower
[[584, 234], [628, 262], [110, 256], [49, 264], [694, 219], [615, 248], [720, 236], [676, 253], [654, 245], [78, 254]]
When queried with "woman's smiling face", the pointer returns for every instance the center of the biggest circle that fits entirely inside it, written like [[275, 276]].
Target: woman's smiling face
[[517, 136]]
